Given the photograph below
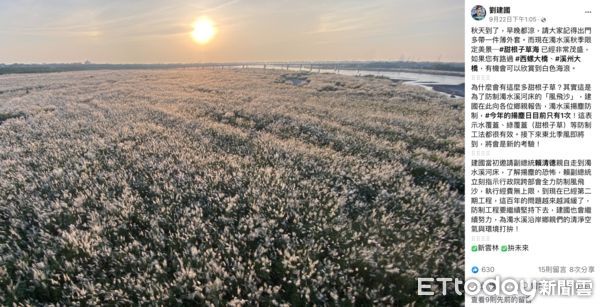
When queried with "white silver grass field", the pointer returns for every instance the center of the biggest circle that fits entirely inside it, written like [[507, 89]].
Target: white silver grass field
[[226, 187]]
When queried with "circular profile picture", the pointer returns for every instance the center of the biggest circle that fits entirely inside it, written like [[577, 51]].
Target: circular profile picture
[[478, 12]]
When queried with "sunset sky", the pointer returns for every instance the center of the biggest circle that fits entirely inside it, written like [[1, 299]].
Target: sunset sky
[[152, 31]]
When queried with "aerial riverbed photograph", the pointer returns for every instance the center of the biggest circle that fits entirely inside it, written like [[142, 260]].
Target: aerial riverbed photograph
[[230, 153]]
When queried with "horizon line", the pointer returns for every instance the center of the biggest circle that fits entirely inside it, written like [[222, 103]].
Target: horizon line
[[231, 62]]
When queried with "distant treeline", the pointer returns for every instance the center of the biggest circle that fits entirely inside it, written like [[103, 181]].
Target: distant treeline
[[47, 68], [430, 67]]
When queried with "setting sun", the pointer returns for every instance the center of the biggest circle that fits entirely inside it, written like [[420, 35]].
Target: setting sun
[[204, 30]]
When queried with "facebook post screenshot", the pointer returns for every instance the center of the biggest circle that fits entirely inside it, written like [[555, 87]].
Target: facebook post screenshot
[[531, 149], [299, 153]]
